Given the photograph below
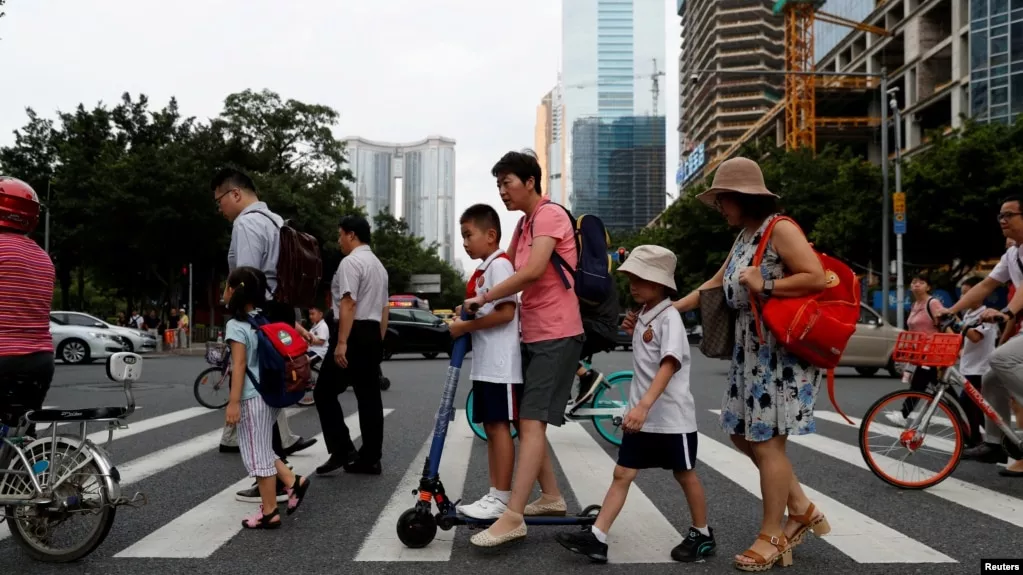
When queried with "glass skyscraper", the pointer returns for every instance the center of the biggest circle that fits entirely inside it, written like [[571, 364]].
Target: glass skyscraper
[[427, 176], [996, 60], [612, 53]]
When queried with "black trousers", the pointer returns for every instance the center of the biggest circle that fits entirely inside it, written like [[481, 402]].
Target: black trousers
[[283, 313], [24, 382], [365, 352]]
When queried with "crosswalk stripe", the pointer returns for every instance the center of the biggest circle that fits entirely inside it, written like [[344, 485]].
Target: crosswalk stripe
[[856, 535], [382, 543], [199, 532], [641, 533], [989, 502], [930, 441]]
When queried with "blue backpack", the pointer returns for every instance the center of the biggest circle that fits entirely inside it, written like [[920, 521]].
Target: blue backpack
[[284, 369], [594, 284]]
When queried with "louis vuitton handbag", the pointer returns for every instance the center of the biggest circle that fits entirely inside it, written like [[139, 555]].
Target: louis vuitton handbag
[[718, 321]]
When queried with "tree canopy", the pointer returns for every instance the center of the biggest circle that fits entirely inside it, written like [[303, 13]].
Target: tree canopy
[[127, 188]]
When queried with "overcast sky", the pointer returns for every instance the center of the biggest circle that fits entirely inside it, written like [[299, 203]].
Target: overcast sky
[[396, 70]]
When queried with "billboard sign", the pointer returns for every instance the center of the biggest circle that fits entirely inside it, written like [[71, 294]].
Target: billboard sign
[[692, 166]]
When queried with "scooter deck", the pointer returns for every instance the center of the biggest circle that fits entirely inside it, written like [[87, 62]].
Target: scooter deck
[[460, 519]]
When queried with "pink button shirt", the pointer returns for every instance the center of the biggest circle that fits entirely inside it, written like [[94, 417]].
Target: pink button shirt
[[549, 310]]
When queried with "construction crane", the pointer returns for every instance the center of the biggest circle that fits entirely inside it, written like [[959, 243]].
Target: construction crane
[[800, 81], [655, 88]]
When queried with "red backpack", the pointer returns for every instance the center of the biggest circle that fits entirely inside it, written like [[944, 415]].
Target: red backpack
[[815, 328]]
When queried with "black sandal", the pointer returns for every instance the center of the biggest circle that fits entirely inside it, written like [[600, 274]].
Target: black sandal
[[262, 521], [296, 493]]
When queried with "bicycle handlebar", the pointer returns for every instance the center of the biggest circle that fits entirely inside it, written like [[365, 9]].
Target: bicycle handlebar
[[952, 322]]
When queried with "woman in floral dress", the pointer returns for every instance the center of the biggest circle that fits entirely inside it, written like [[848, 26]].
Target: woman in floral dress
[[770, 393]]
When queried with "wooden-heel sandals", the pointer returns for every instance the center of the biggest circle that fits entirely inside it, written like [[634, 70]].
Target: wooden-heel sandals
[[761, 563]]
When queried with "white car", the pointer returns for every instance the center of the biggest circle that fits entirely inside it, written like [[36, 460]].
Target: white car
[[78, 344], [138, 341]]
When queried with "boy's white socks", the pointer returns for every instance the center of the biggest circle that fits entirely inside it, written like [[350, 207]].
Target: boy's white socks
[[600, 535], [705, 530], [502, 496]]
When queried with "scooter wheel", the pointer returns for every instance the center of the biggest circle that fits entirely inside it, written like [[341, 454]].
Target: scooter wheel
[[590, 511], [416, 529], [385, 383]]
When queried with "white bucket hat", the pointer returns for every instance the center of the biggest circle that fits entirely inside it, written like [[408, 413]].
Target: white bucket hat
[[652, 263]]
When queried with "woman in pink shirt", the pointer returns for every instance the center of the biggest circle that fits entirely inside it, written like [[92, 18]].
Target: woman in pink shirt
[[552, 338], [923, 317]]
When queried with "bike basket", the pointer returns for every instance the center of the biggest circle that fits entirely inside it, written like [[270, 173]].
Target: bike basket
[[927, 349], [215, 352]]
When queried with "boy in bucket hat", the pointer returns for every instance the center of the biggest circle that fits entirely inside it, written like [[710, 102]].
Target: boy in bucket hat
[[660, 424]]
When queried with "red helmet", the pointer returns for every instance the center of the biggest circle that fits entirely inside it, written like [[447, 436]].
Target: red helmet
[[19, 205]]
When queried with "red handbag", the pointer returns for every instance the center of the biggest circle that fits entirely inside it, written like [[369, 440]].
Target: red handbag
[[817, 327]]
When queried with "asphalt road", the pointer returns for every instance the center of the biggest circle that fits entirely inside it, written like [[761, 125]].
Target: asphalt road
[[191, 524]]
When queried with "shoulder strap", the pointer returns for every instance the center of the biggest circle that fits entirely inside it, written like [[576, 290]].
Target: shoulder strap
[[928, 306], [762, 246], [267, 216], [559, 263]]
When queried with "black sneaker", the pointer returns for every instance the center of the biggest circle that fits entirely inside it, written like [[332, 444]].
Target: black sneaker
[[251, 495], [695, 547], [588, 383], [584, 542], [986, 453]]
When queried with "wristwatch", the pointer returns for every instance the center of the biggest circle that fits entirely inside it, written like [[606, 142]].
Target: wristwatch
[[768, 288], [1008, 312]]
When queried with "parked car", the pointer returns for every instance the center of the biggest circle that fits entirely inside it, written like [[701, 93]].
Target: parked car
[[411, 330], [137, 340], [76, 344], [870, 348]]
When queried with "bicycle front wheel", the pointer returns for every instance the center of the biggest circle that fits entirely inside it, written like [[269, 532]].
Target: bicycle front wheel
[[213, 387], [614, 397], [889, 438], [477, 428]]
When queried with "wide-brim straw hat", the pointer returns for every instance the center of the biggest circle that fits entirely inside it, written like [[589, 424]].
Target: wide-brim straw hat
[[653, 264], [738, 175]]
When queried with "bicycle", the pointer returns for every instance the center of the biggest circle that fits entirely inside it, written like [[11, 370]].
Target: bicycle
[[941, 351], [605, 412], [45, 481]]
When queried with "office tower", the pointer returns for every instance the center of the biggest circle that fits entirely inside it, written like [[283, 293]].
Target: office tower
[[423, 171], [549, 143], [613, 54]]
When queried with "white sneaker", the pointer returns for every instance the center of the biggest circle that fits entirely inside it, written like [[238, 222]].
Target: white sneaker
[[896, 418], [488, 507]]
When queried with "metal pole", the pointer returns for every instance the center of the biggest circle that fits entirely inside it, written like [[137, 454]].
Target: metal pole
[[190, 310], [46, 232], [900, 293], [885, 203]]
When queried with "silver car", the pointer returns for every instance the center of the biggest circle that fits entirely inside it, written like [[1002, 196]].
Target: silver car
[[77, 344], [138, 341], [870, 348]]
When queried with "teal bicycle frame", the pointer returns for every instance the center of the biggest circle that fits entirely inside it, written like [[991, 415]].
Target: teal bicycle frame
[[599, 409]]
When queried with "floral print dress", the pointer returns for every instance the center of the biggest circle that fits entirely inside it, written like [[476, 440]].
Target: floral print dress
[[770, 391]]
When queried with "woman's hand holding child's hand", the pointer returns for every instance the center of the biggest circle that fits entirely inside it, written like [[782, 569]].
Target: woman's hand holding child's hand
[[234, 413], [635, 419]]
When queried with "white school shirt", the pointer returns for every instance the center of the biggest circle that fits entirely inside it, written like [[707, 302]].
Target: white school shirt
[[660, 333], [976, 356], [496, 355], [321, 331]]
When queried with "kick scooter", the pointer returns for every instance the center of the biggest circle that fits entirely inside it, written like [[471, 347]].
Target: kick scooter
[[418, 525]]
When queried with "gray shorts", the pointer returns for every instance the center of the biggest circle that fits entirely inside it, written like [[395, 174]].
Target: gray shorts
[[548, 371]]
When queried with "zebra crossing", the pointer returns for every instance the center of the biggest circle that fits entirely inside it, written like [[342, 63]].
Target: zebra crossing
[[863, 532]]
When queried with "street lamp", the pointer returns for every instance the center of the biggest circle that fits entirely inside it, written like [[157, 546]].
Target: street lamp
[[694, 76], [900, 210]]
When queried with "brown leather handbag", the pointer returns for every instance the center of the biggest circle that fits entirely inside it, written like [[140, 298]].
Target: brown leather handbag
[[718, 321]]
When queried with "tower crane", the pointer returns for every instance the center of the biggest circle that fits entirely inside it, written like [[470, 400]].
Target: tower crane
[[655, 88], [801, 82]]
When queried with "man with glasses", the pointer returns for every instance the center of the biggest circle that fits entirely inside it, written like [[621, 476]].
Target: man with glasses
[[1005, 375], [255, 242]]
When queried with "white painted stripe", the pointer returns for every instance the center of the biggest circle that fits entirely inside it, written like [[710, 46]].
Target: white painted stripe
[[641, 533], [382, 543], [206, 527], [930, 441], [987, 501], [148, 465], [856, 535]]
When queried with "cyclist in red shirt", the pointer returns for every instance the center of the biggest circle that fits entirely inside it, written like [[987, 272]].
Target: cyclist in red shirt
[[26, 289]]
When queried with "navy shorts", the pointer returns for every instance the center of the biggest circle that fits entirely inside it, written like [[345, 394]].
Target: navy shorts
[[674, 451], [495, 402]]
